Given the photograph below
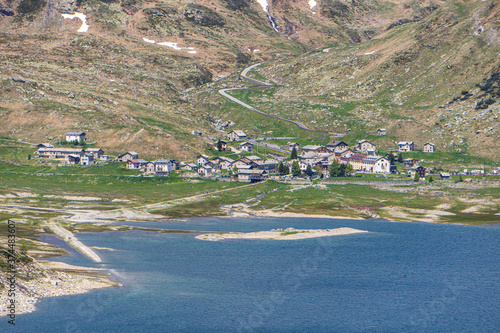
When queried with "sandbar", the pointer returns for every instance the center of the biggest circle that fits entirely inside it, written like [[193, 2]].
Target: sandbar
[[281, 234]]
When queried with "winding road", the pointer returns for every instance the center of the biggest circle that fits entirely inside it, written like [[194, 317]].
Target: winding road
[[265, 84]]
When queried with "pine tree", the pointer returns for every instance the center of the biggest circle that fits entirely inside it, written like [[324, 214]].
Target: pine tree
[[282, 169], [219, 145], [342, 169], [417, 177], [286, 169], [349, 170], [334, 170], [391, 158], [400, 158], [309, 171], [295, 169], [293, 156]]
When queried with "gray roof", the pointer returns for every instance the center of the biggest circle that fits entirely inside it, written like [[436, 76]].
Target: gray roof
[[75, 133], [239, 133]]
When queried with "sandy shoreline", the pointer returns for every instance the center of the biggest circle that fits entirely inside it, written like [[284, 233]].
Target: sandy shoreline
[[281, 234]]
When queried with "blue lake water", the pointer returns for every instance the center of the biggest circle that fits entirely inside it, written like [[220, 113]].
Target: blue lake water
[[400, 277]]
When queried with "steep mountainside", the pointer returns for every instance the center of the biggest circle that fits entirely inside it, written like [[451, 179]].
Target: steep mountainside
[[126, 75], [434, 79]]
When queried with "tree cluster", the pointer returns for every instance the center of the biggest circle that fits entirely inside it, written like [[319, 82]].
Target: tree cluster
[[283, 169], [340, 170]]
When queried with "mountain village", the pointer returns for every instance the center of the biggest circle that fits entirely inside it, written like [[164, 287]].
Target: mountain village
[[335, 159]]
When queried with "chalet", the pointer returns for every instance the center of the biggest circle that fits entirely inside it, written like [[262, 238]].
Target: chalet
[[315, 149], [420, 170], [205, 171], [176, 165], [149, 168], [356, 161], [226, 163], [87, 159], [190, 167], [244, 163], [236, 135], [75, 136], [131, 155], [251, 176], [444, 176], [202, 159], [409, 162], [97, 152], [268, 165], [337, 146], [366, 146], [72, 159], [429, 148], [223, 145], [405, 146], [44, 145], [347, 153], [312, 162], [163, 167], [58, 152], [247, 146], [135, 164], [195, 132], [381, 132]]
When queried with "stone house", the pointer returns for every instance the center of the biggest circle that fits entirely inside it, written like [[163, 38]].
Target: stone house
[[429, 148], [337, 146], [87, 159], [58, 152], [131, 155], [365, 146], [75, 136], [381, 132], [236, 135], [72, 159], [97, 152], [202, 159], [246, 146], [405, 146]]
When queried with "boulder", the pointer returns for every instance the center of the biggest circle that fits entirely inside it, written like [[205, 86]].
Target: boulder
[[203, 15], [18, 78], [66, 6], [6, 11]]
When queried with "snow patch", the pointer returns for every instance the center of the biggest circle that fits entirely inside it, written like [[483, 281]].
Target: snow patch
[[326, 50], [372, 52], [312, 3], [172, 45], [264, 5], [84, 27]]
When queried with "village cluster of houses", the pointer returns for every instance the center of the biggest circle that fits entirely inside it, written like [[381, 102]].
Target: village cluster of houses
[[161, 167], [248, 169], [362, 158]]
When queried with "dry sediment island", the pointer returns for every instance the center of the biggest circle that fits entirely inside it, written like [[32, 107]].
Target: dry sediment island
[[281, 234]]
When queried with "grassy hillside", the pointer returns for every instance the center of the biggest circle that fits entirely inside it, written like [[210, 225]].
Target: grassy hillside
[[390, 64], [433, 80]]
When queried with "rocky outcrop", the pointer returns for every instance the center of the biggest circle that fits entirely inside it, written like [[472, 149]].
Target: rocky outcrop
[[6, 11], [18, 78], [203, 16], [66, 6]]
